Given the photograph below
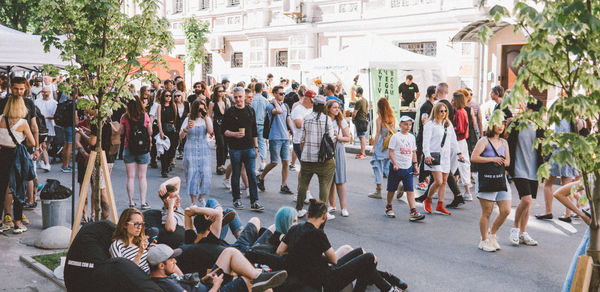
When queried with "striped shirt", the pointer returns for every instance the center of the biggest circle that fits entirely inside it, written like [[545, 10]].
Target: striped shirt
[[313, 129], [119, 250]]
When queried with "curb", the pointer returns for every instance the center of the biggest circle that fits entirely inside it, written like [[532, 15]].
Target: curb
[[355, 149], [43, 270]]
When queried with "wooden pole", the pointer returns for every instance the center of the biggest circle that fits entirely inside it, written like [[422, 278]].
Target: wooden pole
[[583, 274], [109, 189], [83, 191]]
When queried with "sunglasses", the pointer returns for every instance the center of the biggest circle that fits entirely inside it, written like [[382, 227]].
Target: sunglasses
[[281, 93], [136, 225], [219, 91], [179, 95], [443, 111]]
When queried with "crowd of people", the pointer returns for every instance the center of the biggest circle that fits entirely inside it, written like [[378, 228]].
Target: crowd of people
[[444, 144]]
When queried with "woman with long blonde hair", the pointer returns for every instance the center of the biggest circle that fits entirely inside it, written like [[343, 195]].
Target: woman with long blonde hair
[[129, 239], [341, 132], [380, 160], [439, 139], [13, 120]]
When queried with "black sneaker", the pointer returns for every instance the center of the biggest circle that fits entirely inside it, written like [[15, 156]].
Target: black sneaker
[[164, 174], [285, 190], [153, 164], [268, 280], [145, 206], [238, 204], [220, 171], [457, 201], [256, 206], [544, 217], [421, 198], [393, 280], [260, 183], [30, 206]]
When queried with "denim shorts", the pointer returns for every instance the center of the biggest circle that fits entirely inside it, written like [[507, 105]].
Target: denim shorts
[[139, 159], [68, 134], [279, 148], [496, 196], [247, 238], [404, 175], [361, 134]]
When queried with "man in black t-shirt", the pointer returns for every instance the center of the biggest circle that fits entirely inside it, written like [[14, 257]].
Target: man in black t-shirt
[[309, 254], [292, 97], [241, 135], [408, 91]]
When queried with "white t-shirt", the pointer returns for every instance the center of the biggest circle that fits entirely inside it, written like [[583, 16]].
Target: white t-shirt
[[403, 146], [337, 129], [299, 112], [47, 108], [153, 109]]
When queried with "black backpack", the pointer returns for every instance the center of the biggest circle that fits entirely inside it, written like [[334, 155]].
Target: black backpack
[[139, 140], [63, 116], [269, 122], [41, 123]]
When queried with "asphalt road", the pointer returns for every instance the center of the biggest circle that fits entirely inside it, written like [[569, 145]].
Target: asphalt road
[[437, 254]]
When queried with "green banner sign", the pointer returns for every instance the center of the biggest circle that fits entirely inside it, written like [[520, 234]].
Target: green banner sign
[[384, 83]]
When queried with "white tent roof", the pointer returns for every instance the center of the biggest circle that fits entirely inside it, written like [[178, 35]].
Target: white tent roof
[[374, 53], [25, 51]]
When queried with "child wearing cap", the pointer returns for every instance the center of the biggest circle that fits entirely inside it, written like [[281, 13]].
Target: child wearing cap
[[403, 156]]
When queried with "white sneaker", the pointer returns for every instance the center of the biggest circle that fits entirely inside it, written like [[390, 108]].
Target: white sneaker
[[330, 216], [248, 193], [331, 209], [345, 213], [308, 197], [527, 240], [514, 236], [262, 166], [301, 213], [494, 241], [468, 197], [486, 245], [227, 184]]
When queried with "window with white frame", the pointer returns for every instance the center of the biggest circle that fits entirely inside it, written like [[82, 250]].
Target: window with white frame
[[281, 59], [178, 6], [237, 60], [423, 48], [206, 67], [233, 2], [203, 4]]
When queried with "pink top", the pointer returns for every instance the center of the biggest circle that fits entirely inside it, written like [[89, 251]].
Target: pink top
[[125, 123]]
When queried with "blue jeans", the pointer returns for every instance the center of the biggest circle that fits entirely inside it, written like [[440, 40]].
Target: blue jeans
[[248, 157], [262, 146], [380, 166], [235, 225]]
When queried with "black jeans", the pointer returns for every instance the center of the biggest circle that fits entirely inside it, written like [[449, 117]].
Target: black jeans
[[451, 183], [167, 157], [153, 148], [358, 266], [7, 156], [220, 141]]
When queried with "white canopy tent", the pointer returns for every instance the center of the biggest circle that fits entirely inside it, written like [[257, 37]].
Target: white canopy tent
[[358, 58], [22, 51]]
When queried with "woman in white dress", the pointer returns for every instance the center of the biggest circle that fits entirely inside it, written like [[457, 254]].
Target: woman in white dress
[[438, 141]]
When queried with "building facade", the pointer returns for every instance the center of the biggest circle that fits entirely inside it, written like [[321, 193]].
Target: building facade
[[250, 38]]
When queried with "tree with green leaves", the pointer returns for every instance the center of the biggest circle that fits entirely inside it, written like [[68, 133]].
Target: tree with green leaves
[[195, 38], [21, 15], [104, 44], [562, 53]]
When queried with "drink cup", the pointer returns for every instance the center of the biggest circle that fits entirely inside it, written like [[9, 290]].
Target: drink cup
[[242, 130]]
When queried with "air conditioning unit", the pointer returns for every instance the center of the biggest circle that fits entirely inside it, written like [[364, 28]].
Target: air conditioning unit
[[292, 7], [217, 43]]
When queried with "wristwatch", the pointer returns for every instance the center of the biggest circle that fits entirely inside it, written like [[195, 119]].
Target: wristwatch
[[34, 148]]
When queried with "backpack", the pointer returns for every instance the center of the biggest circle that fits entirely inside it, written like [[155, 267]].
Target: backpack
[[41, 123], [115, 138], [267, 129], [63, 116], [139, 140]]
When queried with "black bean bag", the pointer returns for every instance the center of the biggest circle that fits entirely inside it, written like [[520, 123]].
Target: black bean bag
[[173, 239], [153, 218], [90, 268]]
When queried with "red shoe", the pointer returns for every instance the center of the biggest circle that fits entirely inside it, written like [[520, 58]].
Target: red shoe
[[427, 204], [440, 209]]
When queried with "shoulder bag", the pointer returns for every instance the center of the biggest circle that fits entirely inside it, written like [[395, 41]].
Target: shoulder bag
[[492, 177], [437, 159], [327, 148]]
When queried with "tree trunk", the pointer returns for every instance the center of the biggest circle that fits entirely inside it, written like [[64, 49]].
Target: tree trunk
[[594, 247]]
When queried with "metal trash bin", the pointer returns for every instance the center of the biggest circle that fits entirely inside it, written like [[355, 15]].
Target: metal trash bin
[[54, 213]]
